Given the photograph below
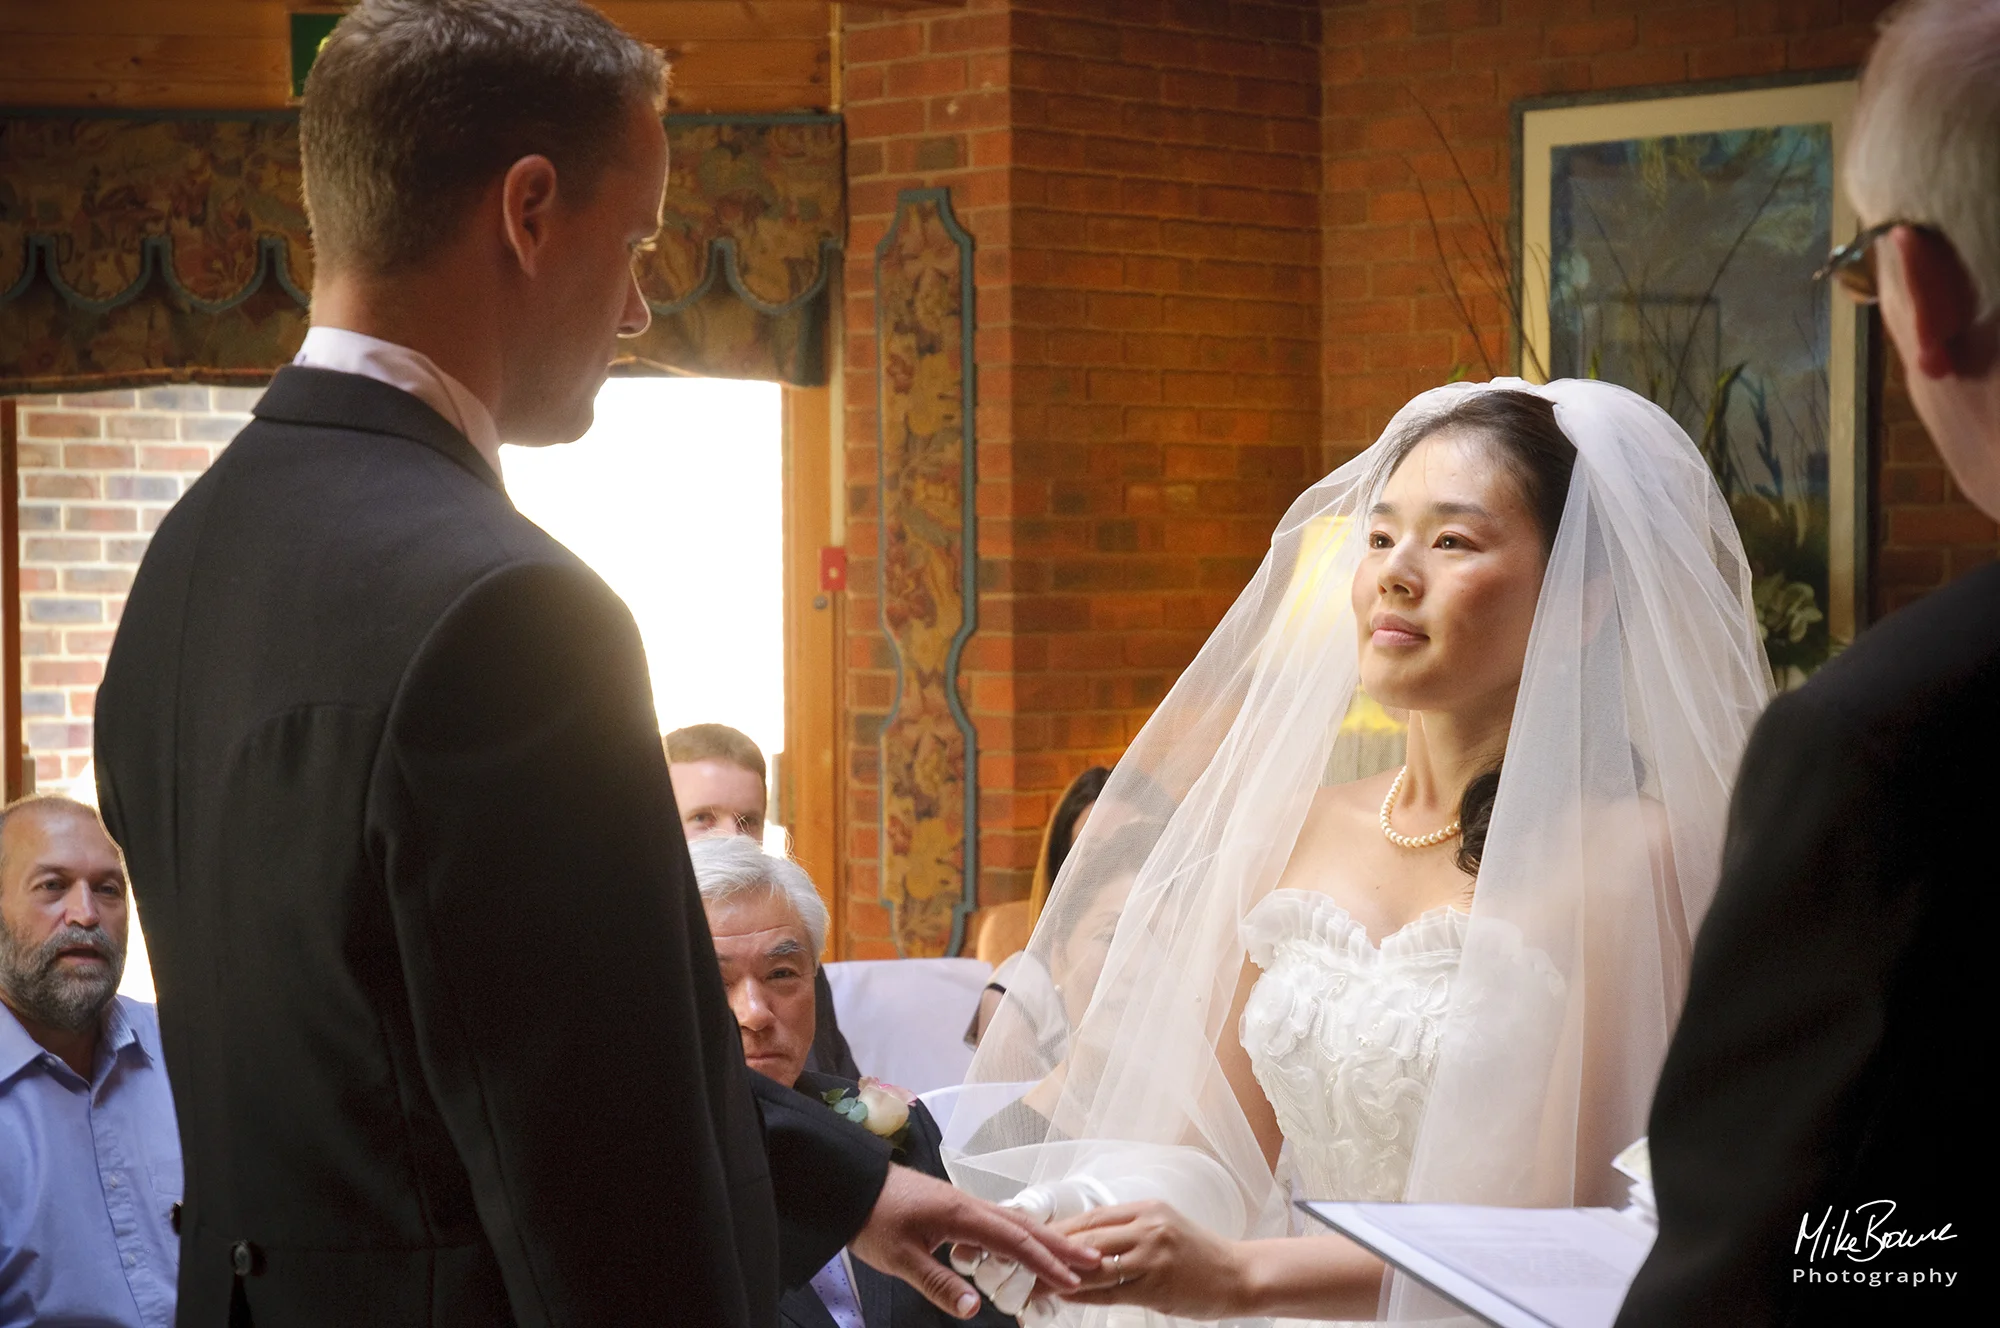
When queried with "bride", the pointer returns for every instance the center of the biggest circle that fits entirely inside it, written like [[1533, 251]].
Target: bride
[[1298, 964]]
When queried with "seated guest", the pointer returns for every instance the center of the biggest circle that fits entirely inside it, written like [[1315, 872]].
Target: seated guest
[[1065, 824], [720, 789], [769, 924], [719, 781], [92, 1157]]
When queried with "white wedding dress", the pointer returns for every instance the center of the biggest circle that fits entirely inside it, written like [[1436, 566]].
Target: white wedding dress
[[1343, 1035]]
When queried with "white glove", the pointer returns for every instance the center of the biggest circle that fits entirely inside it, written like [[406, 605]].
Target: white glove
[[1061, 1200]]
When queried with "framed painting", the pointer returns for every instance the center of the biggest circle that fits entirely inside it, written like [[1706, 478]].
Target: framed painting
[[1668, 244]]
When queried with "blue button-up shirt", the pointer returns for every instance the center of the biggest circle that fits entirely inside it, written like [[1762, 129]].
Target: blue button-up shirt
[[88, 1175]]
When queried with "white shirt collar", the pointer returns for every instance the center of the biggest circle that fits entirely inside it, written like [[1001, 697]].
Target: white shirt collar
[[413, 371]]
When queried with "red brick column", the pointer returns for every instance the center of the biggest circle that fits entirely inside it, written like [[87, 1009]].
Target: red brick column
[[1166, 405], [1142, 184]]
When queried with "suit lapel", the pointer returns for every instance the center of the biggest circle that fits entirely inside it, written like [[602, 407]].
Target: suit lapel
[[877, 1292], [814, 1084], [801, 1307]]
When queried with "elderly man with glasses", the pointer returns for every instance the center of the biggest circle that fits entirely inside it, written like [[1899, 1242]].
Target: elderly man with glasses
[[1811, 1131]]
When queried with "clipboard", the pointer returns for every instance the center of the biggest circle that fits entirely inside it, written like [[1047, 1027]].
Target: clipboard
[[1510, 1267]]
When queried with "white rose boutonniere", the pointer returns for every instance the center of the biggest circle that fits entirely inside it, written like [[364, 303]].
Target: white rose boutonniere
[[881, 1109]]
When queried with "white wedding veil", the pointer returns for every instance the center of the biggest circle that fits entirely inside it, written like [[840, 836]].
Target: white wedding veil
[[1644, 673]]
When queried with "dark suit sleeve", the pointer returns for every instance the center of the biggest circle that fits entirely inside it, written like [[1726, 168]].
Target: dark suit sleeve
[[569, 1016], [1763, 1098], [826, 1174]]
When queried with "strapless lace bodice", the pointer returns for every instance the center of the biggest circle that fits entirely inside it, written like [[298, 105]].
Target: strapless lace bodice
[[1343, 1036]]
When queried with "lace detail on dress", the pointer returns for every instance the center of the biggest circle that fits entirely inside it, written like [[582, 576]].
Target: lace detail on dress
[[1343, 1036]]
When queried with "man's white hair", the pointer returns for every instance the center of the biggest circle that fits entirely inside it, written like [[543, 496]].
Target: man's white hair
[[729, 867], [1926, 145]]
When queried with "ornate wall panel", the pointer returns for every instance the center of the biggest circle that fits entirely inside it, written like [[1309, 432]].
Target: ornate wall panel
[[929, 589], [134, 249], [161, 246], [751, 234]]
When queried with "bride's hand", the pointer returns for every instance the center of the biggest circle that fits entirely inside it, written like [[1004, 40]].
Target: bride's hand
[[1157, 1258]]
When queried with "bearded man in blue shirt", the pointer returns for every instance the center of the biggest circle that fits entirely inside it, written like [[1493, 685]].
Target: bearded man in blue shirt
[[90, 1159]]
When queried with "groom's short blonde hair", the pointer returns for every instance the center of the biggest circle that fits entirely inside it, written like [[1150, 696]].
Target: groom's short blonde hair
[[1926, 144], [415, 106]]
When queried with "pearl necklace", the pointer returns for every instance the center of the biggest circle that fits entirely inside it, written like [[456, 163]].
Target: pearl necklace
[[1435, 837]]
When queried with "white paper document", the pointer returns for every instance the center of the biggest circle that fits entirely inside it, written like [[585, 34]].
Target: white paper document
[[1514, 1267]]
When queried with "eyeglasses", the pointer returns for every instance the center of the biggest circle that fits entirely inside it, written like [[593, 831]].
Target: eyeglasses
[[1852, 265]]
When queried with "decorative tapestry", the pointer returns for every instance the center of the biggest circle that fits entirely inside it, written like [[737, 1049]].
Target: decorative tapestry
[[158, 247], [929, 572]]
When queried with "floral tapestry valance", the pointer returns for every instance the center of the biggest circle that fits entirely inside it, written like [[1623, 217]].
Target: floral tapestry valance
[[160, 247]]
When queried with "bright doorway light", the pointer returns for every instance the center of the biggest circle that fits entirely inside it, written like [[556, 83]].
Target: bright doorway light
[[676, 498]]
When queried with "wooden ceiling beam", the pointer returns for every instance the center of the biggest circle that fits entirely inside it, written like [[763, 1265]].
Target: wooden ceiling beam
[[752, 56]]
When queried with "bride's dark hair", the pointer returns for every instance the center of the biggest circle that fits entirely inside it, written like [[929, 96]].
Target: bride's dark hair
[[1541, 458]]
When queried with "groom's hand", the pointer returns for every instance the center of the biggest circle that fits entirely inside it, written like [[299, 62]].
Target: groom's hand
[[1011, 1287], [915, 1214]]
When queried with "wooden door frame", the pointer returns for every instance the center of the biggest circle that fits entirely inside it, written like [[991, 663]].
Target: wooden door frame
[[13, 756], [810, 778]]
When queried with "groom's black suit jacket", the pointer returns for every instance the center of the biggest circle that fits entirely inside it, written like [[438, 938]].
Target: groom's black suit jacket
[[441, 1013], [1837, 1008]]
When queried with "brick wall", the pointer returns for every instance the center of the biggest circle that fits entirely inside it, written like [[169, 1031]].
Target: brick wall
[[1141, 180], [1389, 329], [1925, 532], [98, 471]]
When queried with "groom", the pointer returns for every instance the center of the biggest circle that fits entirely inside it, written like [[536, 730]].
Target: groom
[[439, 1005], [1820, 1103]]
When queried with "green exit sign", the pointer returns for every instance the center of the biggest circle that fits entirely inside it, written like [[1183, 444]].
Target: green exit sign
[[309, 33]]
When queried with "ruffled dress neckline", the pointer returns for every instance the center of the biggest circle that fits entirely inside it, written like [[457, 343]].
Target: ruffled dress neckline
[[1289, 913], [1342, 1034]]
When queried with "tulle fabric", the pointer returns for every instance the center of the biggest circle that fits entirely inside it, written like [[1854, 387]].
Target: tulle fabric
[[1643, 675]]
